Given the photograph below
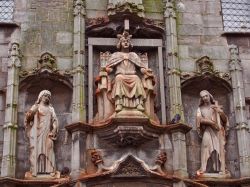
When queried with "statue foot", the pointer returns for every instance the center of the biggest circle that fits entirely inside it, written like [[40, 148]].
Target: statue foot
[[140, 107], [118, 108]]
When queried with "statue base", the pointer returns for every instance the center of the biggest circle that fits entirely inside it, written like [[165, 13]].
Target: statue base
[[29, 176], [128, 113], [221, 175]]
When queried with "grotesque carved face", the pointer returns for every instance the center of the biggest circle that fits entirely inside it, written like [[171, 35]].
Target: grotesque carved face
[[205, 97]]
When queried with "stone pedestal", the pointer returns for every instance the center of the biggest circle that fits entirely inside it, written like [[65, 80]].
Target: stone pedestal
[[178, 132], [78, 151]]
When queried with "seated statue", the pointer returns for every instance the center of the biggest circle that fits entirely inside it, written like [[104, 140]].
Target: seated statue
[[212, 126], [127, 82]]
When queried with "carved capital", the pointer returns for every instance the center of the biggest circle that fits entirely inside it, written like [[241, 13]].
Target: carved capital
[[79, 8], [78, 69]]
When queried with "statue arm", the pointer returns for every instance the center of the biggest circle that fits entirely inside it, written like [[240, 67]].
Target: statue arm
[[29, 116], [54, 130], [198, 122]]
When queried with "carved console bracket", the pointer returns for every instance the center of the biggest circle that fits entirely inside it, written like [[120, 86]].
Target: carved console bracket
[[129, 132]]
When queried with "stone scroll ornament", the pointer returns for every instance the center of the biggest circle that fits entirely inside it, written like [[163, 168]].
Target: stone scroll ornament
[[212, 126], [42, 127], [125, 85]]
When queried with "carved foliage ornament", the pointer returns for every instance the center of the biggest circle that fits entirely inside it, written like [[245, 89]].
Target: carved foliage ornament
[[121, 7], [204, 65], [47, 61]]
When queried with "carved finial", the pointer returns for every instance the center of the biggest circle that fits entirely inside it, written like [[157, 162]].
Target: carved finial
[[14, 49], [234, 62], [169, 9], [47, 61], [14, 55], [79, 7], [205, 65]]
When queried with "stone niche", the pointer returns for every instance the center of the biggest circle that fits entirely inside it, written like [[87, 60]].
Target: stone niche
[[222, 92], [61, 90]]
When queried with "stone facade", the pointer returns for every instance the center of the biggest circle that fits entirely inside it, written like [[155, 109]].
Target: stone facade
[[61, 42]]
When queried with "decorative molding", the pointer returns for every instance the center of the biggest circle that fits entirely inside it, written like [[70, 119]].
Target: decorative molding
[[130, 167], [125, 8], [205, 68]]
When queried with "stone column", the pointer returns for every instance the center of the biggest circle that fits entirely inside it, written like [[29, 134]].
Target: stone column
[[179, 145], [79, 108], [10, 124], [242, 128], [173, 65], [78, 153]]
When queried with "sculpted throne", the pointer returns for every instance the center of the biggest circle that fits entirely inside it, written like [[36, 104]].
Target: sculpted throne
[[125, 85]]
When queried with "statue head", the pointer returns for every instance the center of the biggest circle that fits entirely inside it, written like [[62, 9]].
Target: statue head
[[124, 41], [44, 96], [206, 97]]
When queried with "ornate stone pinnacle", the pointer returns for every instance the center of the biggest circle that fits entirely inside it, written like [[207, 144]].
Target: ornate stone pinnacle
[[79, 7]]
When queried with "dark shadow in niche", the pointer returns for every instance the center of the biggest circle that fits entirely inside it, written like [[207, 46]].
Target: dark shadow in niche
[[222, 92], [61, 99]]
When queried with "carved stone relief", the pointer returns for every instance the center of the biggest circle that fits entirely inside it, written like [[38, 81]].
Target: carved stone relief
[[117, 8]]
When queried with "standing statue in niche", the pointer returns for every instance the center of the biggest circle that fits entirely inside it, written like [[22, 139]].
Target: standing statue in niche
[[125, 83], [212, 126], [42, 127]]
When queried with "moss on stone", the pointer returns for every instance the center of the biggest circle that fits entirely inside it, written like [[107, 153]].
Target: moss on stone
[[153, 5]]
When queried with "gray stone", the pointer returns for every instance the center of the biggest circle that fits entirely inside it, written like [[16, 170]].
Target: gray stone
[[64, 37]]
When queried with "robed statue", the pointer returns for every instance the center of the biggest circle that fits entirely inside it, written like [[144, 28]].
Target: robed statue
[[212, 126], [125, 83], [42, 127]]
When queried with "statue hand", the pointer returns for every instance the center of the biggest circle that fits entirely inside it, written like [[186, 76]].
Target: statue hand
[[217, 108], [108, 70]]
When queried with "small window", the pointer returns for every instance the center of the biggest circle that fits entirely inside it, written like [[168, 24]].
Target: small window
[[6, 10], [236, 15]]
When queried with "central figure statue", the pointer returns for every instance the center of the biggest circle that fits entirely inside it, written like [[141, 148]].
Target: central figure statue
[[128, 90]]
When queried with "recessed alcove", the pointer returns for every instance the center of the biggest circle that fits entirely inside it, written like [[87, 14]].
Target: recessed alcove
[[61, 99], [222, 92]]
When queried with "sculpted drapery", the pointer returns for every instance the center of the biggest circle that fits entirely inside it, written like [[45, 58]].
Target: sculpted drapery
[[42, 127], [128, 90], [212, 126]]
